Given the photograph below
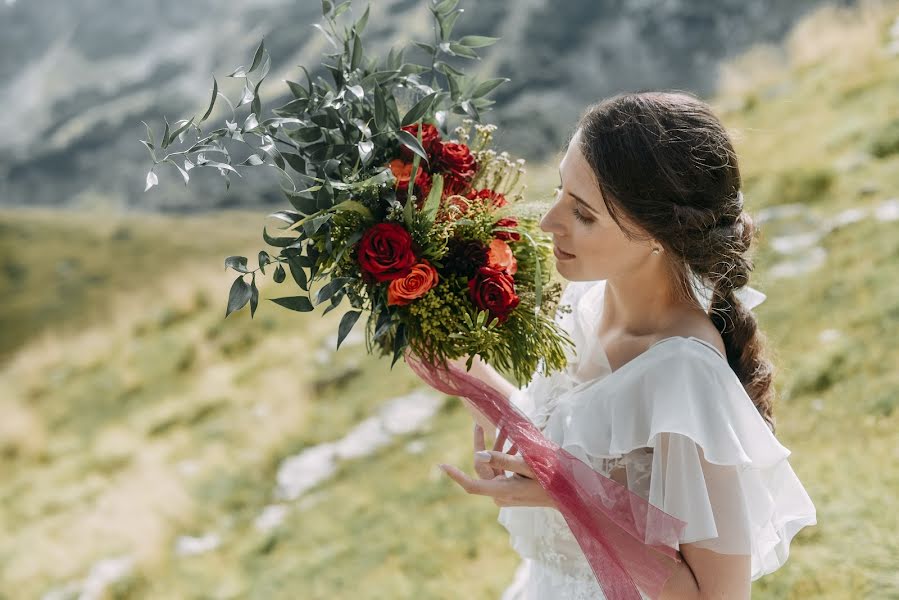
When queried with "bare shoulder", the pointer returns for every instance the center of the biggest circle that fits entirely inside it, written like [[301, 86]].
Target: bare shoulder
[[695, 324]]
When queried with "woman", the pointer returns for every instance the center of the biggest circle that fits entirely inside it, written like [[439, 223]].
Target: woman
[[669, 390]]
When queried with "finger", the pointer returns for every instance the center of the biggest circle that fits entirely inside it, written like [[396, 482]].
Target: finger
[[500, 440], [507, 462], [483, 487], [478, 437]]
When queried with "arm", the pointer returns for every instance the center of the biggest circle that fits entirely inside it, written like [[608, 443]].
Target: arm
[[491, 377]]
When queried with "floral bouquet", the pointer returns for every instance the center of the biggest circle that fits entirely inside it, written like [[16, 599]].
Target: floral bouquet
[[414, 227], [426, 233]]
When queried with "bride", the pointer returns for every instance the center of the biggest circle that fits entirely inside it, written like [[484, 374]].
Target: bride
[[669, 390]]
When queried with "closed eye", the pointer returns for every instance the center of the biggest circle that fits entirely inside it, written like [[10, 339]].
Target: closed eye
[[577, 214]]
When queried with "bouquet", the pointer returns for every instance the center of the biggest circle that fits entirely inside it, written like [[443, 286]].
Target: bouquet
[[417, 229], [426, 233]]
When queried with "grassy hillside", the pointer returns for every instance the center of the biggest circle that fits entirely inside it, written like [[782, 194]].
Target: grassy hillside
[[133, 414]]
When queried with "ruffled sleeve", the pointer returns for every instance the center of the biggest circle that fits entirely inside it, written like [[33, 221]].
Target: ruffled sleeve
[[694, 445]]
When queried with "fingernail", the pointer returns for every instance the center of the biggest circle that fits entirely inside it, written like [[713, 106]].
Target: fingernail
[[482, 456]]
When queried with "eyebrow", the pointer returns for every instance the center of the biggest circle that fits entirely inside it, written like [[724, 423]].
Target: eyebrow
[[578, 198]]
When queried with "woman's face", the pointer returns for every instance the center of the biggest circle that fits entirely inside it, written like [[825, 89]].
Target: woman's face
[[589, 245]]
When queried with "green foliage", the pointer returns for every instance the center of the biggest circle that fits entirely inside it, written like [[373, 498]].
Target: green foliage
[[885, 141], [334, 136]]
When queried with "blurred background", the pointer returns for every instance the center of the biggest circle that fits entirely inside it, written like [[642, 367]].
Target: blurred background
[[151, 449]]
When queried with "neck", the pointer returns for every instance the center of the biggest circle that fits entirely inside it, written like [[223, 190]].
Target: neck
[[639, 304]]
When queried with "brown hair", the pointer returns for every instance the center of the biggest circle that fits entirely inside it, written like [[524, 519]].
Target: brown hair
[[665, 162]]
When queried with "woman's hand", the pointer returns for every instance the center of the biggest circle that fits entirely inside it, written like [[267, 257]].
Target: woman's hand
[[520, 489]]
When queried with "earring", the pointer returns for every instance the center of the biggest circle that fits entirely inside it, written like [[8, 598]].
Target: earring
[[656, 250]]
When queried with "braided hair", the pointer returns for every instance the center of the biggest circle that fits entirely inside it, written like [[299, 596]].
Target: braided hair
[[668, 172]]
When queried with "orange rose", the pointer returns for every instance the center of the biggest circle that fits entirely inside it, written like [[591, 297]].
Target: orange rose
[[500, 257], [403, 172], [416, 284]]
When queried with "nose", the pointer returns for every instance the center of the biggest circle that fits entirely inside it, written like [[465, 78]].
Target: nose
[[551, 223]]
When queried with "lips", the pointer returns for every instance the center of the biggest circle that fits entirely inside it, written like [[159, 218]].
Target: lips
[[563, 252]]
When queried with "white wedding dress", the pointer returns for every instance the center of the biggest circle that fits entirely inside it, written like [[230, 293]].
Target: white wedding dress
[[678, 422]]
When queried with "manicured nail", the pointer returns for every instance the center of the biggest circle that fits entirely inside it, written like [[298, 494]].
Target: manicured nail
[[482, 456]]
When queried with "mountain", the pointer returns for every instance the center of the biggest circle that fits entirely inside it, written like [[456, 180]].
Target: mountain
[[79, 76]]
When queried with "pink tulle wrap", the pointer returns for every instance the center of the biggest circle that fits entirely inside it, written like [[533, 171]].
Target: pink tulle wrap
[[628, 542]]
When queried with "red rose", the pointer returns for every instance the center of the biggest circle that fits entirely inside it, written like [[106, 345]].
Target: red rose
[[494, 291], [453, 185], [403, 171], [385, 252], [455, 158], [498, 200], [430, 137], [507, 236]]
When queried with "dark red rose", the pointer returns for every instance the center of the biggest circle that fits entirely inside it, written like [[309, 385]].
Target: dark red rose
[[464, 257], [493, 290], [453, 185], [385, 252], [456, 158], [430, 137], [495, 198], [508, 236]]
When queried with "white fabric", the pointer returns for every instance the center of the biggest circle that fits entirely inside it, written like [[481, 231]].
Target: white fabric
[[683, 433]]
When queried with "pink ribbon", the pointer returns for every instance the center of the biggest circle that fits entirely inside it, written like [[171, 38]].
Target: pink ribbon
[[627, 541]]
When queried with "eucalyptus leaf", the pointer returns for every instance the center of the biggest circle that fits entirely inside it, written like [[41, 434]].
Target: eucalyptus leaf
[[341, 8], [279, 275], [288, 216], [362, 22], [238, 263], [297, 303], [256, 104], [150, 140], [247, 96], [294, 263], [399, 343], [238, 296], [279, 242], [478, 41], [179, 130], [183, 173], [165, 134], [357, 53], [263, 259], [252, 160], [257, 58], [346, 325], [445, 6], [365, 150], [419, 110], [409, 141], [254, 297], [328, 290], [357, 91], [152, 180], [457, 49], [488, 86]]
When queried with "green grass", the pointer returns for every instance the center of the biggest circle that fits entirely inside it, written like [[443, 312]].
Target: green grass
[[120, 371]]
